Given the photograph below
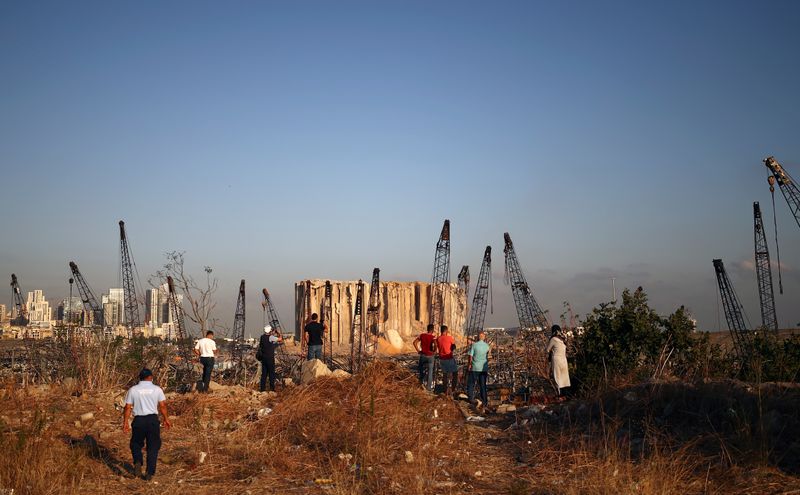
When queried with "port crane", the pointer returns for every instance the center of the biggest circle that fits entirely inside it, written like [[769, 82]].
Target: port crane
[[766, 295], [21, 310], [734, 312], [91, 307], [132, 320], [441, 276]]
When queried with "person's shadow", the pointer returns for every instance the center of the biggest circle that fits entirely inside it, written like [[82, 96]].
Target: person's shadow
[[96, 451]]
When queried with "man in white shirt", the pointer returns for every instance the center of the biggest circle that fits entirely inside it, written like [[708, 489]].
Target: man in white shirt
[[145, 400], [206, 349]]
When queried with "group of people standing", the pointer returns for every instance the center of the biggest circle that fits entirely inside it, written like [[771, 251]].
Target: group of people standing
[[428, 345]]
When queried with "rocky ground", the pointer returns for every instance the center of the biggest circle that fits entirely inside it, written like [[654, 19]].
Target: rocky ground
[[381, 433]]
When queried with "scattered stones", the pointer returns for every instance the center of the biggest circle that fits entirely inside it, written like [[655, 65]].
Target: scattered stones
[[394, 339], [339, 373], [288, 382], [201, 457], [264, 411], [86, 417], [313, 369], [506, 408], [409, 456]]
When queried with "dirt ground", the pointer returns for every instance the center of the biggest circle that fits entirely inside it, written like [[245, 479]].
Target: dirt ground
[[379, 432]]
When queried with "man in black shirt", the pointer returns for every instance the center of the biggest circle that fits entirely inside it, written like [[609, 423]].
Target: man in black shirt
[[313, 336], [266, 347]]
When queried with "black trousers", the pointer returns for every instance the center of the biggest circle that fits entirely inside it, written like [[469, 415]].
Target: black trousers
[[145, 429], [208, 365], [267, 368]]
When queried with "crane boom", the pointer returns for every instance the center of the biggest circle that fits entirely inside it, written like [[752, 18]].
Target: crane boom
[[734, 313], [766, 294], [326, 314], [373, 315], [531, 316], [787, 185], [90, 304], [477, 313], [238, 328], [132, 320], [283, 360], [357, 331], [441, 276], [21, 318]]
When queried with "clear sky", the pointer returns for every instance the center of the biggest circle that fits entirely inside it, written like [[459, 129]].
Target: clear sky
[[281, 141]]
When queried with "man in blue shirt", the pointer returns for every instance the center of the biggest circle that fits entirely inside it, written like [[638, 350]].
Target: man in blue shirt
[[478, 366], [145, 400]]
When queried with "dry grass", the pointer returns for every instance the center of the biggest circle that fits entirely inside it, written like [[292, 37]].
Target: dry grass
[[347, 437]]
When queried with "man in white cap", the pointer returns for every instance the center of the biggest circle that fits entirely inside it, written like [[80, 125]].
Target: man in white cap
[[266, 350]]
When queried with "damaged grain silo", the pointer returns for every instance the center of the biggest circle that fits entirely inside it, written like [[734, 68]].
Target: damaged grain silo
[[403, 307]]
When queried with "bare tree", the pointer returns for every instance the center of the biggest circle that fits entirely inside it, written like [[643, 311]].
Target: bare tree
[[198, 296]]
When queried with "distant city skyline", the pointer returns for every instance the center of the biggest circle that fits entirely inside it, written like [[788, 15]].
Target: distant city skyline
[[616, 141]]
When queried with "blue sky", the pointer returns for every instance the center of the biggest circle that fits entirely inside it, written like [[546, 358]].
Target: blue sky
[[282, 141]]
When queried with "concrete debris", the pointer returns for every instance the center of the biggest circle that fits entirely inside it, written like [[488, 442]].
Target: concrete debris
[[409, 456], [340, 373], [311, 370], [201, 458], [86, 417], [394, 339], [475, 419], [506, 408], [288, 382], [264, 411], [345, 457]]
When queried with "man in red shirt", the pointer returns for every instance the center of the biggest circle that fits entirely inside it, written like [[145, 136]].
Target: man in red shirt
[[447, 360], [425, 344]]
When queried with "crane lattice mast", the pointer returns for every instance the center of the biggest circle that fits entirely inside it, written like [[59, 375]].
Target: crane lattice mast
[[357, 331], [441, 276], [132, 320], [185, 370], [477, 313], [787, 185], [373, 315], [283, 360], [21, 316], [326, 314], [532, 319], [734, 313], [463, 280], [766, 294], [90, 305], [238, 328]]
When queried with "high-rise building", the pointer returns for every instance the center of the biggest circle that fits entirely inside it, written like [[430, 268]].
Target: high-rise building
[[113, 307], [38, 309], [72, 308]]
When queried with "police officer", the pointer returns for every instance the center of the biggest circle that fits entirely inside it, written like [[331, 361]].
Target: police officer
[[145, 400]]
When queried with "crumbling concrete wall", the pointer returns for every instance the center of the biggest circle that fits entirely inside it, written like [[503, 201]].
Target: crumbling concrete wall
[[404, 307]]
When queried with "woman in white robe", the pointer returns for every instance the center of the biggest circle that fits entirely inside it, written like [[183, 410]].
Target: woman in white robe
[[557, 355]]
